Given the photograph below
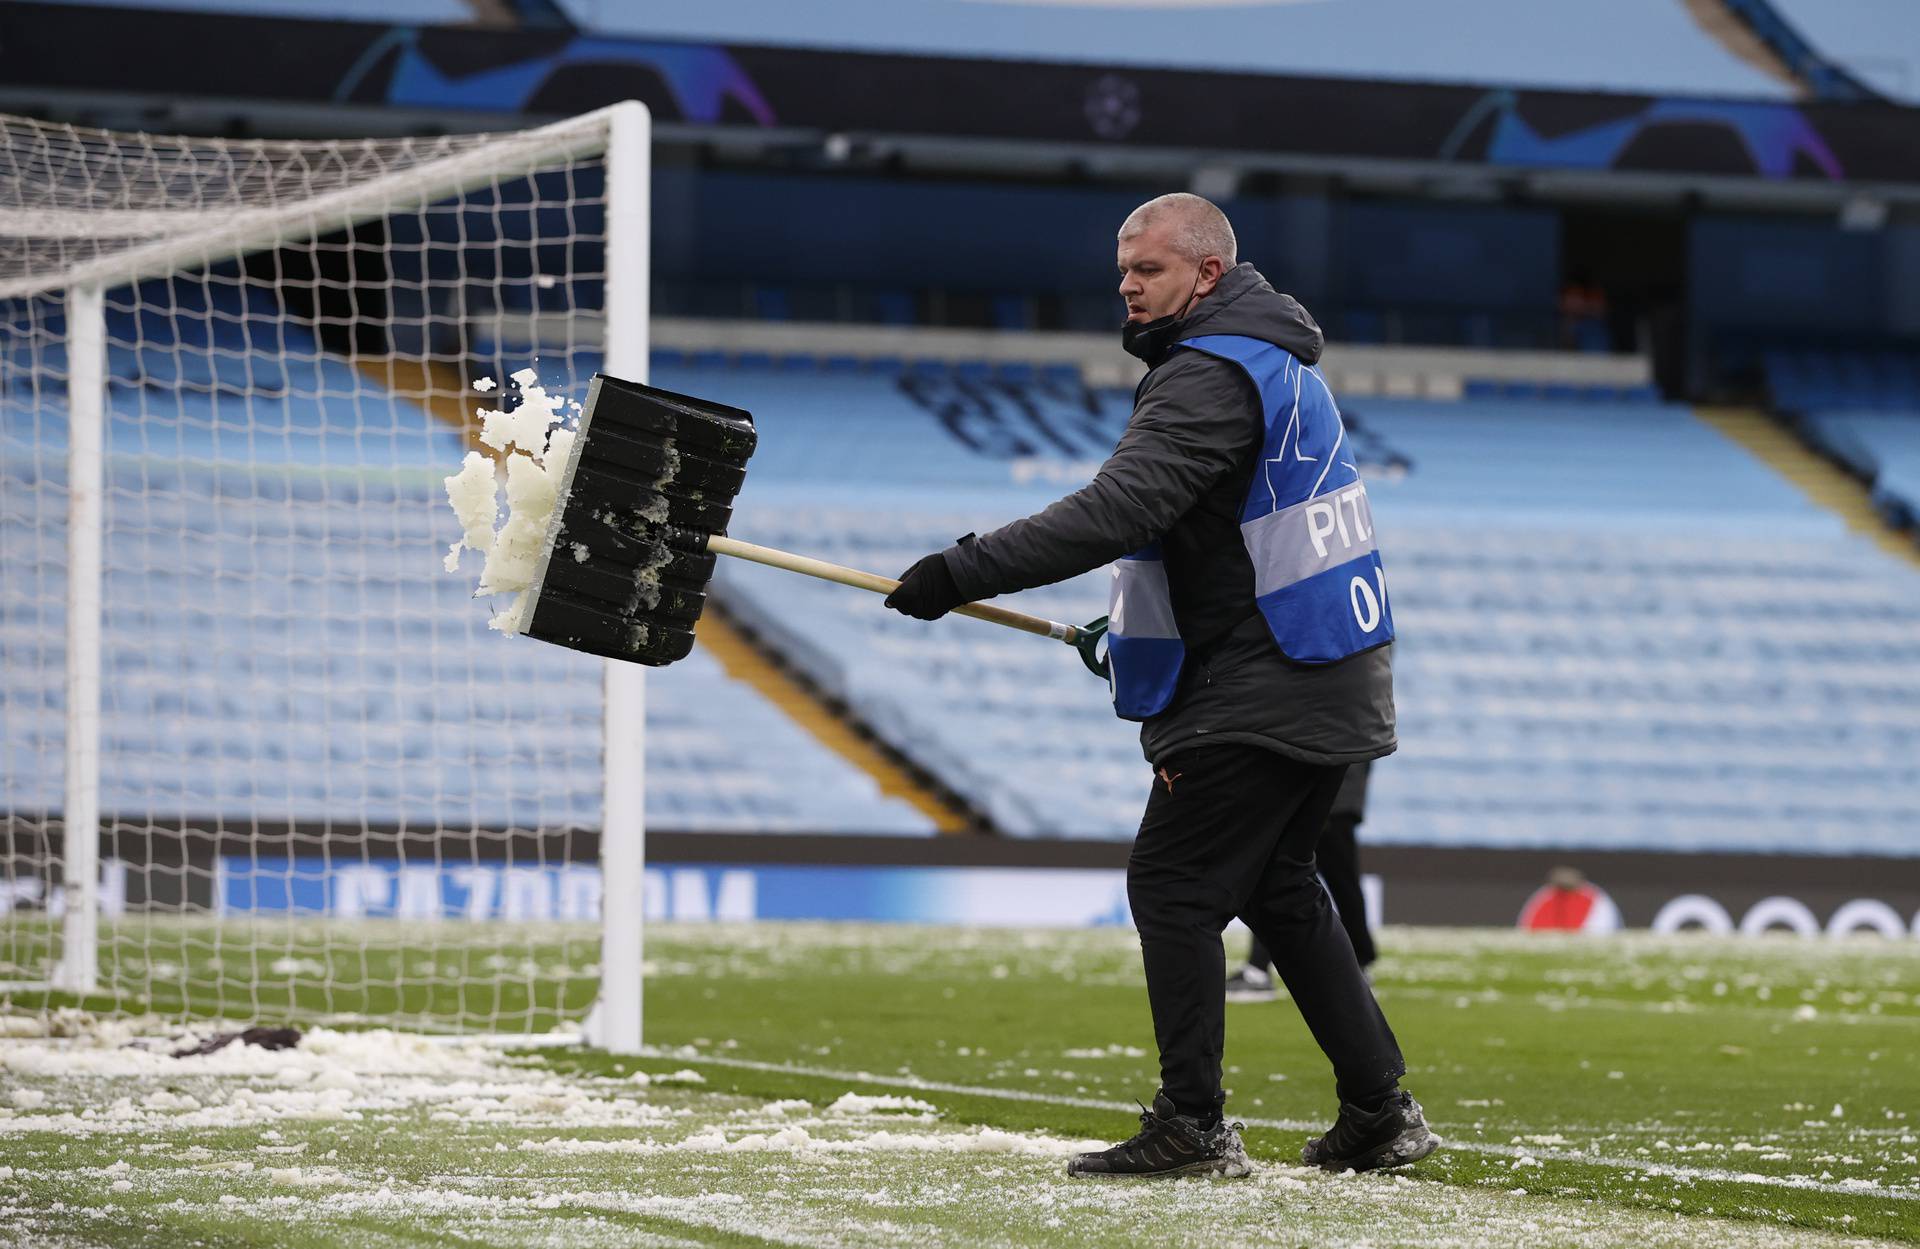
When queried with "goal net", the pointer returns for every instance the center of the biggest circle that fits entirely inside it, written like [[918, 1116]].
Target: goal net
[[260, 755]]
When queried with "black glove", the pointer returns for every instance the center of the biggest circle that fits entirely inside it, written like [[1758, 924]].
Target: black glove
[[927, 591]]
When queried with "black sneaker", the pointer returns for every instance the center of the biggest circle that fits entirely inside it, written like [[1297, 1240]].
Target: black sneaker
[[1392, 1136], [1250, 984], [1168, 1145]]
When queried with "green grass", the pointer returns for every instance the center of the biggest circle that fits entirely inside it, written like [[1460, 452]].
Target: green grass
[[1622, 1090]]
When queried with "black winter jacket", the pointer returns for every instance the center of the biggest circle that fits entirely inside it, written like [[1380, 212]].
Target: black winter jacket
[[1180, 474]]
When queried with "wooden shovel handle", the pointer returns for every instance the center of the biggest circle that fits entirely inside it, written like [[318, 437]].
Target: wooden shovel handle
[[721, 545]]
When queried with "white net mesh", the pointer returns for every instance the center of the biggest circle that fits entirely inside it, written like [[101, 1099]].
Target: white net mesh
[[326, 788], [70, 196]]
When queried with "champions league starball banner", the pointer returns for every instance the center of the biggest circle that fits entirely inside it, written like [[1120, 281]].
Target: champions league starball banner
[[558, 70]]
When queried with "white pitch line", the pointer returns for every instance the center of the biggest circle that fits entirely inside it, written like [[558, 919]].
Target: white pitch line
[[1661, 1169]]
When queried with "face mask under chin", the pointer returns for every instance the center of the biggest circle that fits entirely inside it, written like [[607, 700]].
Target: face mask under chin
[[1150, 341]]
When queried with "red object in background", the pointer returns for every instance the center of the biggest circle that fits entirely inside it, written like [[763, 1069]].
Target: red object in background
[[1568, 902]]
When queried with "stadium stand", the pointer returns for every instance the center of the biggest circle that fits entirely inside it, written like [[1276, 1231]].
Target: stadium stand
[[1748, 48], [1881, 447], [1631, 47], [1618, 629], [1668, 621], [1863, 409], [1806, 381], [274, 520]]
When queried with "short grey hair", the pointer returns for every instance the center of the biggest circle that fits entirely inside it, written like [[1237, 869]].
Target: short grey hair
[[1200, 229]]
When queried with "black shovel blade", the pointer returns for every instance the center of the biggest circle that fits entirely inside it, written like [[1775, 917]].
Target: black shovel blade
[[625, 568]]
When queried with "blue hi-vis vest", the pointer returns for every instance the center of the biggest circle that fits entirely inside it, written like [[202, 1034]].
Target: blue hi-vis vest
[[1308, 529]]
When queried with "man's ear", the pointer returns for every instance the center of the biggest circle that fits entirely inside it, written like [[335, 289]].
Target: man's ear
[[1212, 269]]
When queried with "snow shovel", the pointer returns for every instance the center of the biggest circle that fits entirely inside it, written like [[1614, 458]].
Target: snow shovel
[[642, 511]]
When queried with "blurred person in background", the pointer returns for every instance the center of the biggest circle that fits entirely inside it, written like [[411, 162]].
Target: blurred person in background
[[1338, 856], [1583, 315], [1251, 637]]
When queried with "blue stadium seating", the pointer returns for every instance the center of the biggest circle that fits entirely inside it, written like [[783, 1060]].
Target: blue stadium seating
[[1817, 380], [1862, 408], [1618, 629], [1488, 388], [280, 642], [1883, 448]]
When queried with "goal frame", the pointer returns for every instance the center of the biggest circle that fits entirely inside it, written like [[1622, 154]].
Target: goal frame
[[621, 135]]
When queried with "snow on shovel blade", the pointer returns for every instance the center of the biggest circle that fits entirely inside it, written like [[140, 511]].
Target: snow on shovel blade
[[624, 569]]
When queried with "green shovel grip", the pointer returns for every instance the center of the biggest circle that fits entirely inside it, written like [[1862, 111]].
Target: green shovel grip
[[1086, 639]]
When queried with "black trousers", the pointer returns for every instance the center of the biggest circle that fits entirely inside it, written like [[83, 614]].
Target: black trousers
[[1230, 830], [1339, 861]]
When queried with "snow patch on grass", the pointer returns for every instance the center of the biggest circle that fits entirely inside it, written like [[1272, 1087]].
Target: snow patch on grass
[[861, 1104], [85, 1089]]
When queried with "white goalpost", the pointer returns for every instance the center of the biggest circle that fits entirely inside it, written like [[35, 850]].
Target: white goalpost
[[260, 755]]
